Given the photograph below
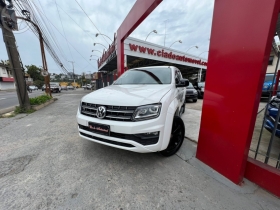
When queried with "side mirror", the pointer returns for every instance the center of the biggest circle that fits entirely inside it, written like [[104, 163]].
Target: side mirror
[[183, 83]]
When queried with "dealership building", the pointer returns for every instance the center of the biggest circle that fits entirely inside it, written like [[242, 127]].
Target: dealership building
[[139, 53]]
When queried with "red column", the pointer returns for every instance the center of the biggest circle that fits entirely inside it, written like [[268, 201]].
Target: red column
[[140, 10], [240, 44]]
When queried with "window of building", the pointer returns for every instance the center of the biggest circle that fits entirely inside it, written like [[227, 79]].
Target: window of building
[[270, 61], [4, 71]]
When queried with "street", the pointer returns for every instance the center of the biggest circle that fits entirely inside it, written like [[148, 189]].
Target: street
[[10, 99], [44, 164]]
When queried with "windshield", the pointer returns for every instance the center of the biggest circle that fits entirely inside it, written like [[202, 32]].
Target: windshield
[[190, 86], [268, 78], [149, 76], [201, 84]]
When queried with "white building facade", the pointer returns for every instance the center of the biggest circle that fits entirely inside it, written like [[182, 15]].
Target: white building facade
[[6, 79]]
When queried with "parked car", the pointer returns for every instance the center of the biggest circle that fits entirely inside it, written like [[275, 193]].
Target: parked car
[[267, 85], [191, 93], [55, 88], [70, 87], [271, 114], [200, 87], [33, 87], [138, 112], [88, 87], [64, 88]]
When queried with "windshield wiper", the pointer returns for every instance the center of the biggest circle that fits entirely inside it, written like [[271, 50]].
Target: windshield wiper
[[151, 74]]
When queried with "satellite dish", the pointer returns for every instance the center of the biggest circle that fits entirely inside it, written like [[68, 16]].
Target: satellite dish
[[44, 73]]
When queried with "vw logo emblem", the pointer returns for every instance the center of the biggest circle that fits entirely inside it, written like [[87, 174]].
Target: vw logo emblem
[[101, 112]]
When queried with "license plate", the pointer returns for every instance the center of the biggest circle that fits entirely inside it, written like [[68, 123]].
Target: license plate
[[99, 128]]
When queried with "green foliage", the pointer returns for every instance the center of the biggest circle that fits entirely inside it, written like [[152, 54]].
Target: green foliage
[[39, 83], [5, 62], [20, 110], [39, 100], [34, 72]]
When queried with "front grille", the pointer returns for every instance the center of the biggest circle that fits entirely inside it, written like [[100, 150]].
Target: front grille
[[132, 137], [106, 140], [189, 92], [117, 113]]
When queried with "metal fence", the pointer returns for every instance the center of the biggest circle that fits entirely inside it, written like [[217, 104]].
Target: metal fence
[[104, 80], [267, 148]]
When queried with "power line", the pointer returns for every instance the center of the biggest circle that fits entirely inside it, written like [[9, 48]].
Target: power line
[[63, 30], [75, 22], [92, 22], [44, 35], [64, 38], [52, 34]]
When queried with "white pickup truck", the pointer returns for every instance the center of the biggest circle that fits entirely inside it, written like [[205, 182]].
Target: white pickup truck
[[140, 112]]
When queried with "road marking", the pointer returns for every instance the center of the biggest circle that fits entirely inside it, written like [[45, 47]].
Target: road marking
[[2, 98]]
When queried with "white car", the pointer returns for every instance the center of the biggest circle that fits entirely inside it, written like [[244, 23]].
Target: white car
[[140, 112], [33, 87]]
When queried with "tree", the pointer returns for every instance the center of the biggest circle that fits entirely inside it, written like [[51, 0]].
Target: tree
[[39, 83], [34, 72], [5, 62]]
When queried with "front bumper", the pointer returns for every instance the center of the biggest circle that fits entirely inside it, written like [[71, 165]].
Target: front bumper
[[193, 96], [121, 133]]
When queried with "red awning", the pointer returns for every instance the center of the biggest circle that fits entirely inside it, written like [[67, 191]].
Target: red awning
[[8, 79]]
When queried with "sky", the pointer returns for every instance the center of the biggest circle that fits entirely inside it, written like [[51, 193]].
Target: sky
[[74, 33]]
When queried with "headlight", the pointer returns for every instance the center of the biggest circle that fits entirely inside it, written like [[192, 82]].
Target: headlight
[[147, 112], [265, 86]]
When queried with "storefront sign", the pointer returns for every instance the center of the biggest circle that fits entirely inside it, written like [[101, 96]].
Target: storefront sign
[[7, 79], [162, 53], [109, 53]]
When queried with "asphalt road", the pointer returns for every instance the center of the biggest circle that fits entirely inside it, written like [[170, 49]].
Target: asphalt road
[[44, 164], [10, 99]]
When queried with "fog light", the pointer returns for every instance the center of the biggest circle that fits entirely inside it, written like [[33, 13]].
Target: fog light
[[152, 133], [147, 135]]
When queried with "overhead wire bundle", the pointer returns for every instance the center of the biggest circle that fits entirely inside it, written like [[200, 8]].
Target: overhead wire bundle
[[47, 37]]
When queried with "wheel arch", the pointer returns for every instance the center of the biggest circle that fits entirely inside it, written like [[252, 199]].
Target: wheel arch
[[173, 110]]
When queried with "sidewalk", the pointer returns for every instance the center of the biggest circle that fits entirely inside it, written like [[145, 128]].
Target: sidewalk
[[44, 164], [8, 90]]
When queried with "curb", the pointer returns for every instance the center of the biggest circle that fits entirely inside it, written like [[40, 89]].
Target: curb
[[6, 110], [38, 107]]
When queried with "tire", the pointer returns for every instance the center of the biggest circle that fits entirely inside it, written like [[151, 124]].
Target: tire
[[194, 100], [176, 138]]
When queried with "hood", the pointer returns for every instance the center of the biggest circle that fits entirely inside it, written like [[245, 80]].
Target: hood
[[128, 95]]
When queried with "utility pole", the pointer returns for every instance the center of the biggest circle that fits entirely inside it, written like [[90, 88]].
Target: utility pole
[[44, 61], [73, 69], [17, 69]]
